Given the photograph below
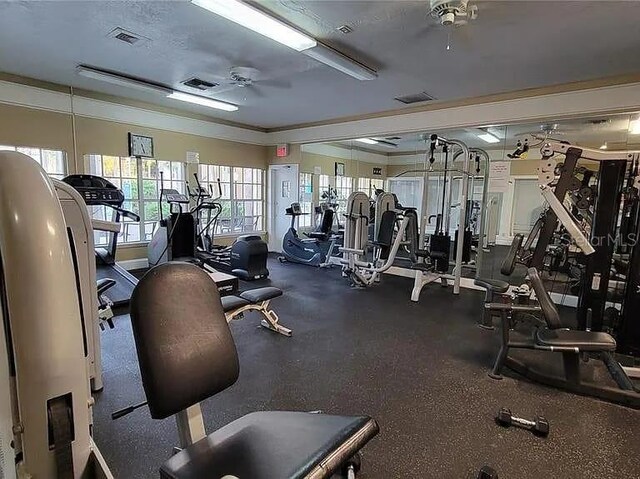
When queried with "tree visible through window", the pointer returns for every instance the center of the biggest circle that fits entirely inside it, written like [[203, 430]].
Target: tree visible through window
[[305, 199], [139, 180], [241, 192]]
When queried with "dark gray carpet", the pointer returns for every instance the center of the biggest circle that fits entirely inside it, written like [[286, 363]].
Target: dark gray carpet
[[419, 369]]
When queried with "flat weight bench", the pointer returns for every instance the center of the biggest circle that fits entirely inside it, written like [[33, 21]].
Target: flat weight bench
[[186, 354], [255, 300]]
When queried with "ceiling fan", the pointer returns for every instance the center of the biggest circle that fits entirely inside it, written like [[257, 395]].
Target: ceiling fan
[[450, 16], [249, 79]]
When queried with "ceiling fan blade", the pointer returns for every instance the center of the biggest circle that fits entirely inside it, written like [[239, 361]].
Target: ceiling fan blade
[[274, 83]]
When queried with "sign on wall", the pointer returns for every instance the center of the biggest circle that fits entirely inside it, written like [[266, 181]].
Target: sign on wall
[[282, 151], [377, 171], [499, 173]]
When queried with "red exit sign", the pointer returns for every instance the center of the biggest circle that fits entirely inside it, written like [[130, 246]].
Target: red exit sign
[[282, 151]]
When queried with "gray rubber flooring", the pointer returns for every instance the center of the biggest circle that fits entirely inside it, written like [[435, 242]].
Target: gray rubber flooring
[[420, 369]]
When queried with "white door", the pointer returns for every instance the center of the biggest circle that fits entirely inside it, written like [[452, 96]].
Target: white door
[[283, 190]]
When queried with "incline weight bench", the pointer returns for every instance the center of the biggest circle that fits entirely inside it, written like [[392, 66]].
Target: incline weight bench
[[255, 300], [186, 354]]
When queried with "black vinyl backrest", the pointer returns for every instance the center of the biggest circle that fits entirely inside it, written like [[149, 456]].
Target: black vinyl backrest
[[387, 225], [185, 348], [509, 262], [549, 310], [412, 234]]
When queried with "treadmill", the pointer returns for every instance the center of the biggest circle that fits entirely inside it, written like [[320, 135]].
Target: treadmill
[[98, 191]]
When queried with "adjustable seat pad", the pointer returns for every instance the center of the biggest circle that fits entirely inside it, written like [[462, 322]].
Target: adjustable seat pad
[[273, 445], [261, 294], [493, 285], [229, 303], [583, 340]]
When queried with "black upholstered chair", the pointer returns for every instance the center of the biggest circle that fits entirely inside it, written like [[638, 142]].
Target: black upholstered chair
[[187, 354]]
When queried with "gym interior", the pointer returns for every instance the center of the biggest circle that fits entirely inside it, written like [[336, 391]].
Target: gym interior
[[319, 239]]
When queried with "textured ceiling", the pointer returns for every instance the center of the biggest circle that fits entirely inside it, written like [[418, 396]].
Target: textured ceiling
[[511, 46]]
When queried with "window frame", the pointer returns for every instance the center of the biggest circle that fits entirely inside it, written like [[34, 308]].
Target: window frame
[[57, 174], [234, 217], [141, 200]]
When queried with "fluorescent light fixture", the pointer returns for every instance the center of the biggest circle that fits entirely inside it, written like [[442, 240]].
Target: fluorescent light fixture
[[604, 146], [259, 22], [120, 80], [489, 138], [340, 62], [200, 100], [634, 127], [368, 141]]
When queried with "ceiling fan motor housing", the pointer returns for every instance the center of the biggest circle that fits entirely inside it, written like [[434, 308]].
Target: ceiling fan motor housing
[[446, 11]]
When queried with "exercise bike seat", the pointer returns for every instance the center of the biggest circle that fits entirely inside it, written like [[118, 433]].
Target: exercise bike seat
[[319, 235], [493, 285], [105, 284], [274, 444]]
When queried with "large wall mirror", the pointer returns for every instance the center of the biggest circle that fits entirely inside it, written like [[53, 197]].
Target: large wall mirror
[[401, 163]]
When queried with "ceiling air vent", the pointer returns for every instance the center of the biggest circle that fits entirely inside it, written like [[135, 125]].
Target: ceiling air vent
[[346, 29], [415, 98], [199, 84], [127, 36]]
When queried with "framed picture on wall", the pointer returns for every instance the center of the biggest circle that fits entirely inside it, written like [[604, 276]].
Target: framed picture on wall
[[339, 169]]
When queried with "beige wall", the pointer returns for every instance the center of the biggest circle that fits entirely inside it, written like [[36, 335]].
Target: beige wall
[[110, 138], [21, 126]]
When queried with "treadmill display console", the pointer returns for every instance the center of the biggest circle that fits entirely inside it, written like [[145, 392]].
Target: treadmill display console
[[96, 190]]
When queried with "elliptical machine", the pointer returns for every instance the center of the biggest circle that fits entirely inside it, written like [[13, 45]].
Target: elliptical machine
[[317, 249], [177, 237]]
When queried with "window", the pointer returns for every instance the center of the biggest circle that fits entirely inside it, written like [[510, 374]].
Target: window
[[242, 197], [344, 187], [306, 200], [139, 180], [370, 185], [54, 162]]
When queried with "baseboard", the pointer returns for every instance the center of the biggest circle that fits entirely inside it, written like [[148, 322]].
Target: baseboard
[[131, 264]]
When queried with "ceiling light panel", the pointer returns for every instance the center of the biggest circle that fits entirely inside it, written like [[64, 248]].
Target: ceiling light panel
[[120, 80], [340, 62], [200, 100], [253, 19], [368, 141], [489, 138]]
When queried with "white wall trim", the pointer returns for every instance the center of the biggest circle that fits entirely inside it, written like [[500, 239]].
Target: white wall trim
[[103, 110], [43, 99], [32, 97], [345, 153], [610, 99]]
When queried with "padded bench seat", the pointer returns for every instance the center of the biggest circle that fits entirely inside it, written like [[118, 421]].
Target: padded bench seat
[[255, 300], [494, 285], [273, 444], [582, 340]]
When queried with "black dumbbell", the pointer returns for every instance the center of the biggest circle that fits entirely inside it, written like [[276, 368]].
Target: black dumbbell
[[487, 472], [539, 426]]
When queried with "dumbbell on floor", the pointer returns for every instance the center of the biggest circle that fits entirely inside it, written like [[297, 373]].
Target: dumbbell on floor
[[539, 426]]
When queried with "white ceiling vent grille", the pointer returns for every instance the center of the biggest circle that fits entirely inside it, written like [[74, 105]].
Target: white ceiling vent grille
[[199, 84], [127, 36], [415, 98]]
